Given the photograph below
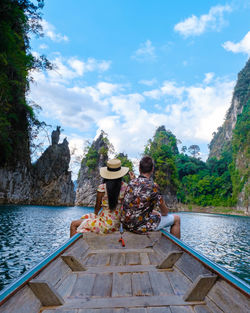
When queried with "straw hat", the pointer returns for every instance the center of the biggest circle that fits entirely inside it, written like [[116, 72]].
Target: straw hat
[[113, 170]]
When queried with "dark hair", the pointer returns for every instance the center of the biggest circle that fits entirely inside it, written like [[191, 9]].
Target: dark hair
[[113, 189], [146, 164]]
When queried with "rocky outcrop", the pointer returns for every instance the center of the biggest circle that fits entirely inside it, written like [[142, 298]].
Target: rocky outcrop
[[47, 182], [234, 137], [15, 185], [52, 180], [222, 138], [89, 177]]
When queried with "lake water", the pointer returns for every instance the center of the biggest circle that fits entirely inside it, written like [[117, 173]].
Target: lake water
[[29, 233]]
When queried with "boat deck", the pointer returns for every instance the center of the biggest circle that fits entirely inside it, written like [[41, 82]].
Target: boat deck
[[150, 275]]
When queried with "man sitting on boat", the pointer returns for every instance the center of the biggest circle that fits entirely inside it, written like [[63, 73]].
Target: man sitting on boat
[[141, 198], [109, 198]]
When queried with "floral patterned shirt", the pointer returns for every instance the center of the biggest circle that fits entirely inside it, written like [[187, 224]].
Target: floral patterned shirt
[[141, 197]]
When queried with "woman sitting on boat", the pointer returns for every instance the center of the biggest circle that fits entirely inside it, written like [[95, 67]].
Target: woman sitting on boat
[[109, 197]]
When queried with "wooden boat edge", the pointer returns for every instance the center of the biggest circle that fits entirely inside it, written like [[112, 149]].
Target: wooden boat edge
[[221, 272], [23, 280], [14, 287]]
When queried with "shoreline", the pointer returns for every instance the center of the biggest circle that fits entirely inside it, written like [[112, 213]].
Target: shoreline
[[179, 208], [210, 210]]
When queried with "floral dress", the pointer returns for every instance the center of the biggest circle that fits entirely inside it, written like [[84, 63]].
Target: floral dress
[[106, 221], [141, 198]]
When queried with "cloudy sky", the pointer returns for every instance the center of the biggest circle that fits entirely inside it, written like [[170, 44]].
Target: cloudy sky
[[127, 67]]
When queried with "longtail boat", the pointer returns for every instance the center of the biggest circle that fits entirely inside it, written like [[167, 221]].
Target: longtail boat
[[153, 273]]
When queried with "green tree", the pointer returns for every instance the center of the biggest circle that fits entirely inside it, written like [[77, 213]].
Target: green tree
[[163, 149], [127, 163], [18, 19], [194, 150]]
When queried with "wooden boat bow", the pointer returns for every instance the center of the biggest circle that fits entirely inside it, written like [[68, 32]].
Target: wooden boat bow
[[151, 274]]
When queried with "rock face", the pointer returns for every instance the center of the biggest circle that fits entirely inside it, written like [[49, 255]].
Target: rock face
[[52, 184], [241, 96], [48, 182], [15, 185], [234, 136], [222, 139], [89, 177]]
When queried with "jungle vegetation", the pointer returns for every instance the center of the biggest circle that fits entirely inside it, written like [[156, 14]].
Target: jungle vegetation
[[18, 20]]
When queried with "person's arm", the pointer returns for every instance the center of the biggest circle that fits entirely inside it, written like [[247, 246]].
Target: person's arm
[[131, 175], [163, 207], [98, 203]]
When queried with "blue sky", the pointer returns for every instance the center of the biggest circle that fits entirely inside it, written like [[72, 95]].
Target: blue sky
[[128, 67]]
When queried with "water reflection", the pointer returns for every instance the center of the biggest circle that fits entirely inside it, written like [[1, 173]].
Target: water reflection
[[29, 233], [224, 239]]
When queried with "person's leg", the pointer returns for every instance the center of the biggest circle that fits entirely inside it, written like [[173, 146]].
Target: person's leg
[[173, 221], [74, 225], [175, 229]]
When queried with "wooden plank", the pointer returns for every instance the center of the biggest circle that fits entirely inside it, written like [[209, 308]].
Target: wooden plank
[[191, 267], [144, 259], [78, 249], [73, 263], [121, 285], [170, 259], [102, 311], [141, 285], [160, 283], [212, 306], [83, 285], [154, 258], [159, 310], [121, 250], [132, 259], [67, 285], [181, 309], [60, 311], [110, 241], [54, 272], [46, 293], [117, 269], [136, 310], [24, 301], [178, 281], [91, 260], [201, 309], [117, 259], [103, 259], [126, 302], [200, 288], [102, 285], [166, 245], [229, 299]]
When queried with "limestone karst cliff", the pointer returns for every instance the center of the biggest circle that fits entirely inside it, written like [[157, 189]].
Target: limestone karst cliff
[[234, 136], [89, 177], [47, 182], [163, 148]]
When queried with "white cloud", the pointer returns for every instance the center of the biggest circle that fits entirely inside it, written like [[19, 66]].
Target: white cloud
[[131, 125], [208, 77], [69, 69], [146, 52], [195, 112], [148, 82], [242, 46], [191, 112], [43, 46], [49, 31], [195, 26]]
